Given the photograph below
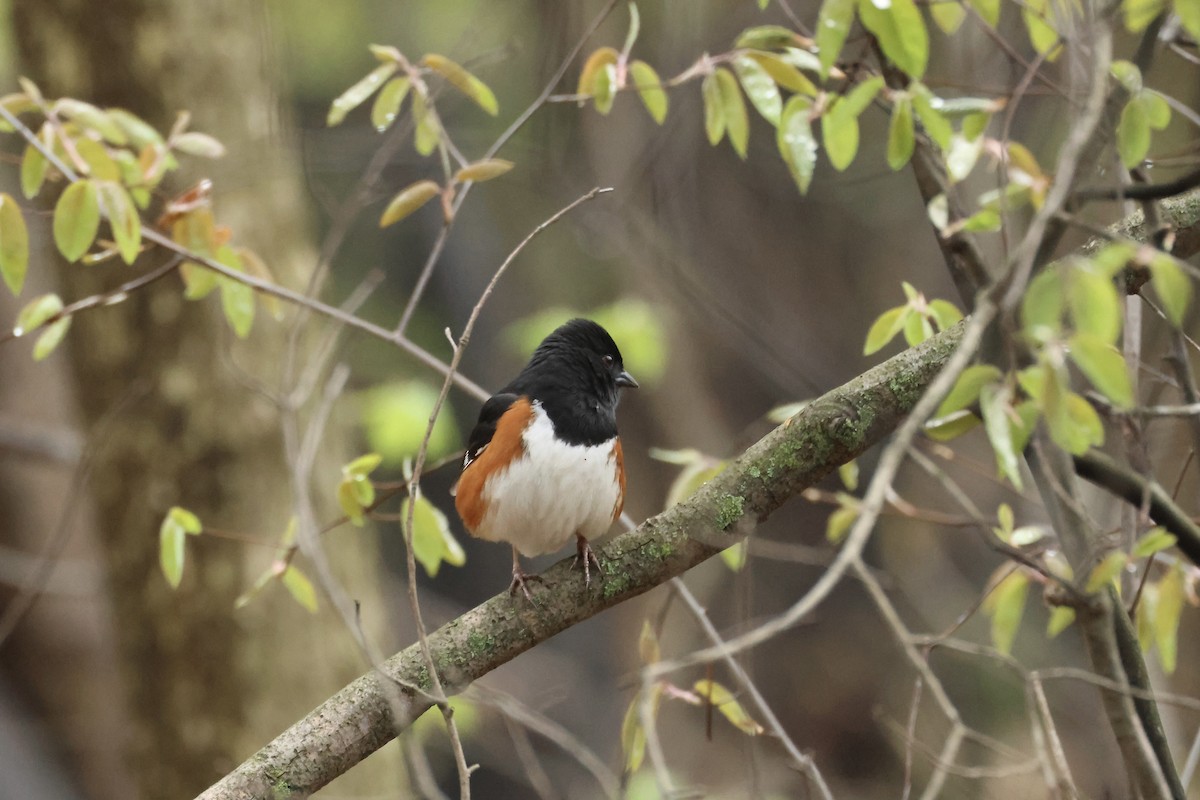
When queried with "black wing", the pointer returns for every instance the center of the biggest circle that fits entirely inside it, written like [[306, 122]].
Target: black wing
[[485, 428]]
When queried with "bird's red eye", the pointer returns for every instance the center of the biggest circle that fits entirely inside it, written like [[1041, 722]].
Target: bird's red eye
[[607, 360]]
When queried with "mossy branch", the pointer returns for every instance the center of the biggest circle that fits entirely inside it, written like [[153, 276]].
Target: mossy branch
[[832, 430]]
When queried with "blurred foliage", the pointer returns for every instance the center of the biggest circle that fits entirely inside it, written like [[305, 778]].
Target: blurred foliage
[[395, 416]]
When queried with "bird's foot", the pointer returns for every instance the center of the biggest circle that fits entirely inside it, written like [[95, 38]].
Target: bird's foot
[[520, 581], [584, 555]]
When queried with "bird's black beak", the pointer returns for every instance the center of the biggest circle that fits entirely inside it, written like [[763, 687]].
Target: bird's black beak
[[626, 380]]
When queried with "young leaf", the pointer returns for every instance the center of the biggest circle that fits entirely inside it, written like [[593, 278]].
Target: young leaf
[[483, 170], [994, 402], [839, 132], [885, 328], [593, 67], [237, 299], [966, 389], [961, 156], [737, 124], [36, 313], [605, 88], [1006, 604], [186, 520], [948, 14], [300, 588], [76, 219], [649, 88], [766, 37], [1172, 285], [1154, 540], [428, 130], [945, 313], [901, 135], [784, 72], [1189, 14], [171, 537], [1043, 305], [194, 143], [1094, 303], [1060, 619], [858, 99], [723, 700], [1133, 133], [51, 338], [122, 218], [33, 171], [432, 541], [796, 142], [141, 133], [927, 105], [838, 524], [464, 81], [348, 499], [362, 466], [1078, 427], [1104, 366], [1156, 107], [633, 735], [1042, 35], [833, 26], [988, 9], [1166, 617], [714, 108], [14, 244], [408, 200], [917, 329], [1106, 571], [943, 429], [900, 30], [1140, 13], [735, 556], [648, 648], [759, 87], [848, 473], [350, 99], [388, 101]]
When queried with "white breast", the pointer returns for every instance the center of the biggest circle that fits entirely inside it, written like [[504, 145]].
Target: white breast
[[553, 491]]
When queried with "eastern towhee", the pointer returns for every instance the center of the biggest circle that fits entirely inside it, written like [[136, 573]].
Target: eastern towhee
[[544, 461]]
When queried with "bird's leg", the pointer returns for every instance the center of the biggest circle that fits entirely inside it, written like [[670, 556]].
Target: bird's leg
[[521, 577], [583, 553]]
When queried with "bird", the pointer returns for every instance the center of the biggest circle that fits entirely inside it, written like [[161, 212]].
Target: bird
[[544, 461]]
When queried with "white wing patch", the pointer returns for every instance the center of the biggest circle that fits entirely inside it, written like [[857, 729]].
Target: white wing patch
[[553, 491]]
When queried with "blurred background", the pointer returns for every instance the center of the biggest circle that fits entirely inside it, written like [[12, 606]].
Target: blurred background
[[729, 292]]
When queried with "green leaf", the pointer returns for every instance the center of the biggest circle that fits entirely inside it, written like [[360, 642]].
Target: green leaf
[[945, 313], [14, 244], [1106, 571], [186, 520], [1079, 426], [766, 37], [1153, 541], [350, 99], [633, 735], [483, 170], [759, 87], [605, 88], [988, 9], [1127, 74], [900, 30], [1172, 285], [33, 171], [1042, 35], [1171, 596], [260, 583], [140, 133], [735, 557], [300, 588], [1094, 303], [76, 219], [901, 134], [348, 499], [387, 103], [966, 389], [171, 536], [194, 143], [88, 116], [98, 163], [36, 313], [839, 132], [649, 88], [395, 415], [1004, 516], [833, 26], [858, 99], [1158, 110], [237, 299], [1140, 13], [917, 329], [784, 72], [714, 108], [951, 426], [593, 68], [1060, 619], [974, 125], [432, 541], [408, 200], [1006, 605], [948, 14], [838, 524], [885, 327], [796, 142], [848, 473], [737, 123], [723, 700], [1043, 304], [363, 466], [464, 81], [962, 156], [1104, 366], [427, 130], [1188, 12], [122, 218], [927, 106], [51, 338], [1133, 134], [648, 648], [995, 402]]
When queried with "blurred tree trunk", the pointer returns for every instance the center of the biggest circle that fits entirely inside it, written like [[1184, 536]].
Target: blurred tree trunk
[[206, 684]]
